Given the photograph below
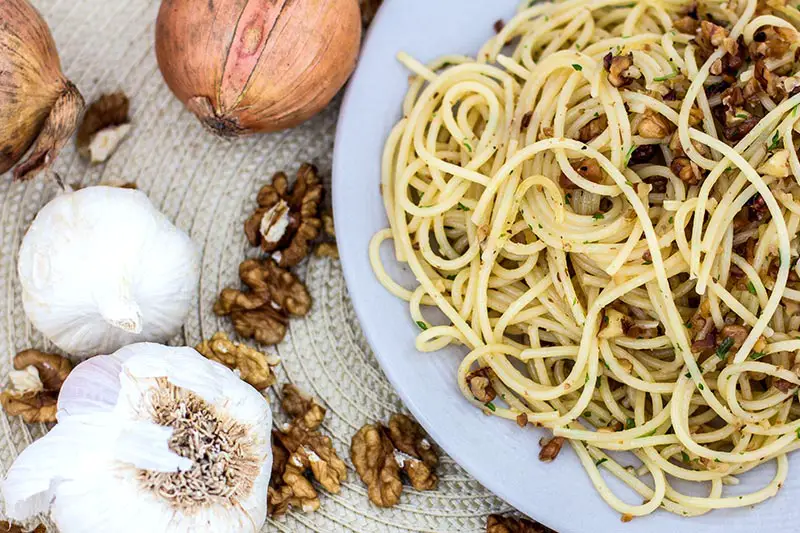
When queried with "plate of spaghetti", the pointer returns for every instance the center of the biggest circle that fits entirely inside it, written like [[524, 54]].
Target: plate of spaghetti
[[575, 225]]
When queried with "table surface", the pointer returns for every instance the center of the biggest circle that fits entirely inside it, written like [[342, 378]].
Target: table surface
[[207, 187]]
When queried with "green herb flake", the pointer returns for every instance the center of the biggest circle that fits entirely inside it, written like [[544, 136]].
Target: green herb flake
[[567, 198], [451, 277], [701, 386], [776, 139], [600, 461], [467, 146], [755, 356], [647, 262], [596, 114], [665, 78], [751, 288], [462, 207], [724, 347], [491, 407], [798, 433], [717, 461], [598, 216], [587, 414], [577, 67], [684, 456], [606, 365], [540, 226], [794, 110], [586, 379], [628, 182], [688, 324], [742, 115], [630, 423], [628, 156], [671, 220], [688, 375], [422, 325]]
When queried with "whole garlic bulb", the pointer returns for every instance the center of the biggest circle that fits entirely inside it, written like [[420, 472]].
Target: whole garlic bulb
[[101, 267], [151, 438]]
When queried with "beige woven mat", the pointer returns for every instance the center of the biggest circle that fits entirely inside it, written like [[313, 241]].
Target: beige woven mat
[[208, 188]]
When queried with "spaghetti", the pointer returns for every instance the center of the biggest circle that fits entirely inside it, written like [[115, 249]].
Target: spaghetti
[[605, 205]]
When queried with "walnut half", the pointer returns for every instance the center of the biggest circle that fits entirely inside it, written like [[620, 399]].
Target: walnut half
[[300, 451], [35, 384], [252, 366], [105, 125], [287, 219], [381, 453], [263, 312]]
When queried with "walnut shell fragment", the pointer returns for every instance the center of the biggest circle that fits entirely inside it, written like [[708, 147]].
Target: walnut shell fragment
[[263, 312], [287, 219], [381, 453], [35, 384], [300, 451], [252, 366], [105, 125]]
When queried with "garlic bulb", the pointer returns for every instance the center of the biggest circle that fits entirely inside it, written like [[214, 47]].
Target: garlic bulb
[[151, 438], [102, 267]]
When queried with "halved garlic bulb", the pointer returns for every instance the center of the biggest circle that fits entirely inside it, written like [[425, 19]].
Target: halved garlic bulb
[[151, 438]]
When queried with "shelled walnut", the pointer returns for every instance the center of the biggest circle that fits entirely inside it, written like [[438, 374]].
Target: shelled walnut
[[287, 219], [299, 449], [35, 384], [263, 312], [252, 366], [105, 125], [509, 524], [380, 453]]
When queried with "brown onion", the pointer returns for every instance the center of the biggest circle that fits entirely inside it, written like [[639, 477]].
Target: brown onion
[[37, 103], [245, 66]]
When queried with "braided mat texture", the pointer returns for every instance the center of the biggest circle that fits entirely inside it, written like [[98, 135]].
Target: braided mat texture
[[208, 188]]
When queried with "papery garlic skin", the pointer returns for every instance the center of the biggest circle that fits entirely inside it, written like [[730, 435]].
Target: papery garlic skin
[[88, 470], [101, 267]]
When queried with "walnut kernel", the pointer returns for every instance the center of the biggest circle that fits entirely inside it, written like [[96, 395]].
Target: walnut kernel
[[253, 366]]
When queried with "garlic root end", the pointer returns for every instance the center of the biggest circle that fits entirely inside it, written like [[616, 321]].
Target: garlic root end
[[58, 128]]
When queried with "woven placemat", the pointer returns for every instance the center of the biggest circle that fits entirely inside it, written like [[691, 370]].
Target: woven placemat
[[207, 187]]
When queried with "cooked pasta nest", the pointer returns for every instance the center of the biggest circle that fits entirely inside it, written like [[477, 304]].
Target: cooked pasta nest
[[604, 206]]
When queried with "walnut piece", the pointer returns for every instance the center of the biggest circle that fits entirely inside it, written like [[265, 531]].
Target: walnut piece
[[302, 408], [8, 527], [372, 454], [619, 69], [35, 384], [654, 125], [380, 453], [252, 366], [550, 448], [299, 450], [263, 312], [509, 524], [287, 220], [105, 125], [480, 385], [594, 128], [328, 247]]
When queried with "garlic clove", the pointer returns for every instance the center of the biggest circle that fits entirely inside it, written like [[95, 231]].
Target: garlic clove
[[91, 387], [145, 445]]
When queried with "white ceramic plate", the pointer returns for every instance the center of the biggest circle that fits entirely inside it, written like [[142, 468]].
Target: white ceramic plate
[[498, 453]]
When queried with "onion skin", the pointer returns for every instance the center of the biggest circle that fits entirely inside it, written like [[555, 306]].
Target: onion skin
[[37, 103], [248, 66]]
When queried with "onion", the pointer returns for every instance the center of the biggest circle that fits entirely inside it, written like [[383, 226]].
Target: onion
[[245, 66], [37, 103]]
